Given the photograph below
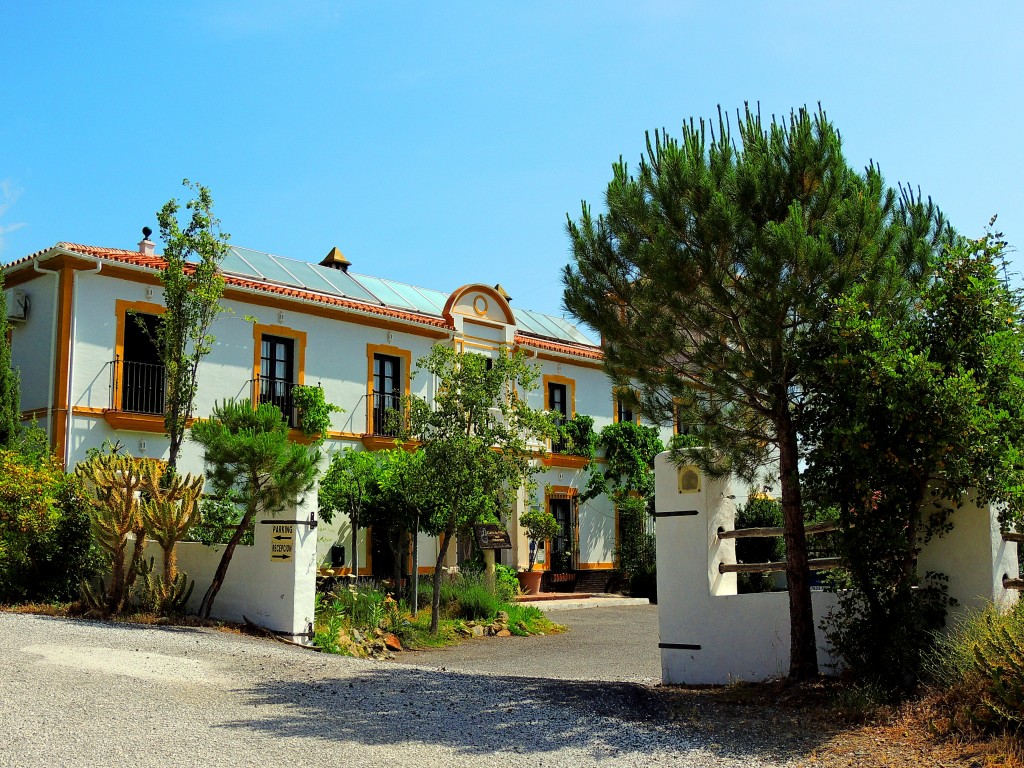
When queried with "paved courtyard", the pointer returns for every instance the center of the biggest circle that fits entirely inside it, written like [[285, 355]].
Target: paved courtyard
[[606, 643], [84, 694]]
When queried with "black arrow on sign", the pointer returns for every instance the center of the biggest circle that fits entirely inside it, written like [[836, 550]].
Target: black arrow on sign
[[279, 557], [279, 538]]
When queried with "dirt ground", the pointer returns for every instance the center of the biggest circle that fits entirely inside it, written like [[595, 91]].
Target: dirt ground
[[808, 718]]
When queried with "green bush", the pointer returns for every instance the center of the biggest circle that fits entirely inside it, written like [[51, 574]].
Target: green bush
[[45, 542], [219, 519], [886, 644], [758, 512], [470, 599], [465, 596], [519, 614], [637, 551], [979, 662], [506, 583]]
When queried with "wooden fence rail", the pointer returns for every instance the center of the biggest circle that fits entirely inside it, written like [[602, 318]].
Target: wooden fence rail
[[815, 564], [748, 533], [1009, 583]]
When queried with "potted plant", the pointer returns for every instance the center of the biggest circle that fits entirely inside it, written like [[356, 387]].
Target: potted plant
[[540, 526]]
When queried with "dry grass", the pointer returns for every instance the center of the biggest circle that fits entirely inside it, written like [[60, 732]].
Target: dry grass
[[831, 724]]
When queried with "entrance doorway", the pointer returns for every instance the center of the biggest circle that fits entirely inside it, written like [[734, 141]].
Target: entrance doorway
[[563, 545]]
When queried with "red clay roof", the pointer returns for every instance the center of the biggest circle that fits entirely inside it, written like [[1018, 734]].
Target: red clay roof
[[594, 353], [157, 262]]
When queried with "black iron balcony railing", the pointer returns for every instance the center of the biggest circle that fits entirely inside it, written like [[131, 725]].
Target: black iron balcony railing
[[278, 392], [386, 410], [560, 444], [137, 387]]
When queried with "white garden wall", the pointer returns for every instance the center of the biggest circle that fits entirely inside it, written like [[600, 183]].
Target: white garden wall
[[711, 634]]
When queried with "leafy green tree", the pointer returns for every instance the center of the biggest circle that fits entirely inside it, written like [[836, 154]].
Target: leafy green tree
[[193, 287], [10, 392], [478, 442], [346, 487], [396, 502], [906, 420], [710, 267], [249, 458], [540, 525]]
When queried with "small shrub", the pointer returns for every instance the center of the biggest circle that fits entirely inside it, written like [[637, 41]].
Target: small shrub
[[520, 616], [470, 599], [758, 512], [218, 520], [328, 624], [980, 662], [886, 644], [506, 583], [45, 541]]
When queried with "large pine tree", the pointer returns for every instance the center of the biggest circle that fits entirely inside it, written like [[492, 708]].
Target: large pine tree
[[714, 260]]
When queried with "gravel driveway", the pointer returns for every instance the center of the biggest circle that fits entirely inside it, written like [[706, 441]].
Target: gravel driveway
[[75, 693]]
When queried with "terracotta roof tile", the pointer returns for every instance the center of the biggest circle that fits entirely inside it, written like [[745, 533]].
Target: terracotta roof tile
[[157, 262], [593, 353]]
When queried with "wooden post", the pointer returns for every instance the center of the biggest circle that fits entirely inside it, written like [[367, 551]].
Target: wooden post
[[489, 569]]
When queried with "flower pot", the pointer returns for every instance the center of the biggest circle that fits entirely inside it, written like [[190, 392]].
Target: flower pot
[[529, 582]]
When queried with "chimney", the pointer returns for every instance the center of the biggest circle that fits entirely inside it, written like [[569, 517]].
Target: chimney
[[145, 244], [336, 260]]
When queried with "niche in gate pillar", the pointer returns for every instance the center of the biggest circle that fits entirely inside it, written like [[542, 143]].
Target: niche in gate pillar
[[688, 479]]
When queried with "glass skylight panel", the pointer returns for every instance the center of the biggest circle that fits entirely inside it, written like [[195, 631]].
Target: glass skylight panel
[[236, 264], [268, 267], [384, 292], [544, 328], [524, 322], [570, 330], [313, 278], [343, 284], [420, 297]]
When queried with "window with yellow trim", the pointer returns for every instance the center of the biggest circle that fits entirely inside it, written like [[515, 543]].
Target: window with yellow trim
[[278, 366], [624, 408], [560, 399], [388, 371], [139, 378]]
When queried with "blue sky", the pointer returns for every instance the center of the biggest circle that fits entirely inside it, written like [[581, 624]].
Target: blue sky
[[444, 143]]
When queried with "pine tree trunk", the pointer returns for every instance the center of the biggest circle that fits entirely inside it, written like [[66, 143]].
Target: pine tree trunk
[[435, 601], [803, 653], [225, 559]]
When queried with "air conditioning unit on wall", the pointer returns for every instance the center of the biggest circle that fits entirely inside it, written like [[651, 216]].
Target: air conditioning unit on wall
[[17, 304]]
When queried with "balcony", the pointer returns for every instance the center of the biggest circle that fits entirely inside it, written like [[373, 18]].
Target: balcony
[[138, 387], [385, 414], [574, 446], [138, 395], [277, 392]]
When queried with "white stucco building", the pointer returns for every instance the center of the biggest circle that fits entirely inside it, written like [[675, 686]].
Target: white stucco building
[[88, 374]]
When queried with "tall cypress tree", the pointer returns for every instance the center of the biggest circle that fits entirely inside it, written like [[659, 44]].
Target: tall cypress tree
[[712, 264], [10, 390], [193, 287]]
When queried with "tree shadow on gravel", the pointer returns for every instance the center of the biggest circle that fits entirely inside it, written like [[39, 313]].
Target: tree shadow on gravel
[[493, 714]]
